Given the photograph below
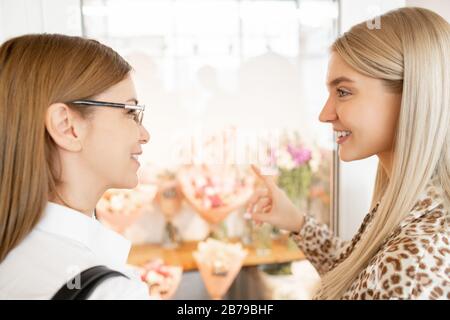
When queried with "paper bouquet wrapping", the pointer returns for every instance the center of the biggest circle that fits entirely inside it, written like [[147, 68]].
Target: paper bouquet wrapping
[[219, 263], [120, 208], [215, 191]]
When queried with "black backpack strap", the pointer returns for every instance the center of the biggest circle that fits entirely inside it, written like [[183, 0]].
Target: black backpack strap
[[89, 279]]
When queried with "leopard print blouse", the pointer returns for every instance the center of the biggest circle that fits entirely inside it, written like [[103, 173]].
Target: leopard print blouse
[[413, 262]]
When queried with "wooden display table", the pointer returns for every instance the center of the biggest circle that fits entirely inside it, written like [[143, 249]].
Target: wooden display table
[[182, 255]]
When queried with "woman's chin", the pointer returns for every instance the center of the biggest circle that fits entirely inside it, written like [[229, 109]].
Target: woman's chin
[[130, 183], [346, 155], [133, 183]]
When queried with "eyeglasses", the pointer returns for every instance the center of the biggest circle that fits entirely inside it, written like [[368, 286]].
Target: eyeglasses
[[136, 110]]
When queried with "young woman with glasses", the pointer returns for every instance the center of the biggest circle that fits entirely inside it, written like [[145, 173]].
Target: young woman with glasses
[[70, 128]]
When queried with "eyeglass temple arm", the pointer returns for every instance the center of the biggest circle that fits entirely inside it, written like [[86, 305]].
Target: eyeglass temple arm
[[108, 104]]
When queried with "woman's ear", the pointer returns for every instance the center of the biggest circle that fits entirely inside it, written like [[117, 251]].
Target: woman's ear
[[63, 126]]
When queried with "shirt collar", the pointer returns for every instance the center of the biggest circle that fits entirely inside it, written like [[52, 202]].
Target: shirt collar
[[110, 247]]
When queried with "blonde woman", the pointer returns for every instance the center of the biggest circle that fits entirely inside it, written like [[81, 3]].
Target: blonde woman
[[70, 128], [389, 95]]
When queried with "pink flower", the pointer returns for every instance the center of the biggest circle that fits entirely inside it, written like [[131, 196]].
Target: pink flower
[[299, 155]]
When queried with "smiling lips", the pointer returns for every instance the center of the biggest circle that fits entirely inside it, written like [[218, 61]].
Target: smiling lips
[[342, 136], [135, 156]]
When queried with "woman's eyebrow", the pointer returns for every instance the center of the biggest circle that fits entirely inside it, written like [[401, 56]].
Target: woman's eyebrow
[[338, 80], [133, 100]]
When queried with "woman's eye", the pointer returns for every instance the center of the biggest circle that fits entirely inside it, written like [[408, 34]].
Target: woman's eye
[[342, 93], [134, 114]]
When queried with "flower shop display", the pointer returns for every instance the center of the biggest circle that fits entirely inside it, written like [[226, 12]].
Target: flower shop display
[[162, 280], [169, 199], [216, 191], [120, 208], [293, 161], [219, 263]]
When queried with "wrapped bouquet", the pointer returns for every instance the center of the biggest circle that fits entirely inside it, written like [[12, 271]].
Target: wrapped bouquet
[[215, 191], [219, 263], [119, 208], [293, 161], [162, 280]]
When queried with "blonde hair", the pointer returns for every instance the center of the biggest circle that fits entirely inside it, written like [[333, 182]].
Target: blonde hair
[[36, 71], [410, 54]]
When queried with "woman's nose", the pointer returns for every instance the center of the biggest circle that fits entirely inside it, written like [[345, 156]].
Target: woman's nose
[[328, 113], [144, 135]]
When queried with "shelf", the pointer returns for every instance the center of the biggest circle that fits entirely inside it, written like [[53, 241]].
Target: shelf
[[182, 255]]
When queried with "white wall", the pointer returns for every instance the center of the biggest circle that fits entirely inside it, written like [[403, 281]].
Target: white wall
[[34, 16], [441, 7]]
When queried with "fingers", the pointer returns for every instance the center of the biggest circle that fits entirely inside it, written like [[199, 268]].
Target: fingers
[[268, 180], [261, 204], [261, 211], [263, 192], [260, 218], [260, 193]]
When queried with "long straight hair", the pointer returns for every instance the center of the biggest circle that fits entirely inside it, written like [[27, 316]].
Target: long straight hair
[[410, 54], [36, 71]]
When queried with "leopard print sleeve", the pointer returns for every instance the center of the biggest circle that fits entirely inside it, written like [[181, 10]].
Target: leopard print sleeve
[[318, 244], [321, 247]]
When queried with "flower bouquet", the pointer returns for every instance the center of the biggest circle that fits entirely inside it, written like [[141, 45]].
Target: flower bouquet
[[120, 208], [163, 280], [215, 191], [169, 200], [219, 263], [293, 161]]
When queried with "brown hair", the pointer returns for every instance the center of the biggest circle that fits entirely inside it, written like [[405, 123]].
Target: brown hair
[[36, 71]]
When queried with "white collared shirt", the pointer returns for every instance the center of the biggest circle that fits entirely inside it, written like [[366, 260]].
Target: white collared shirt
[[64, 243]]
